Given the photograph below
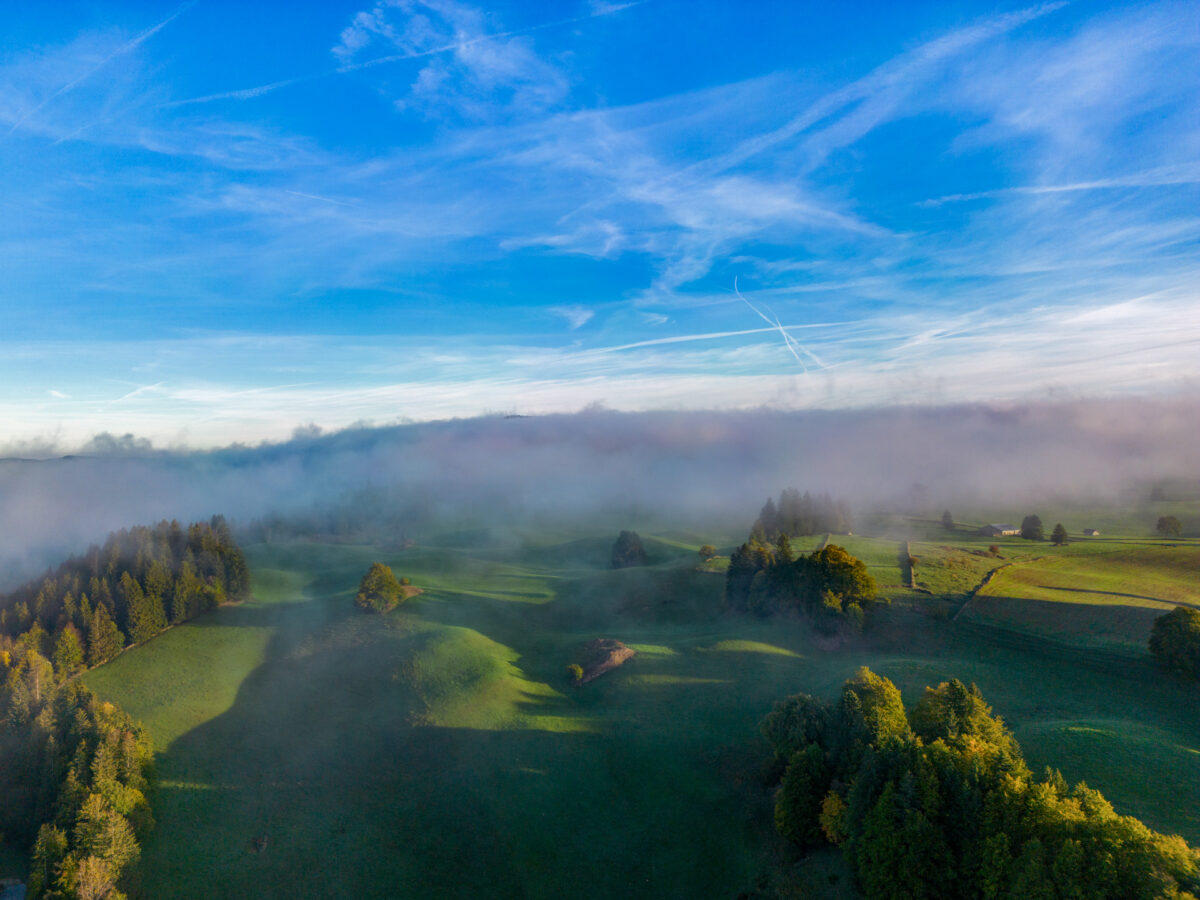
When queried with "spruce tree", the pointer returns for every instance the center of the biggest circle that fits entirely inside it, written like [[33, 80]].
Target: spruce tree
[[146, 617], [104, 639], [68, 653]]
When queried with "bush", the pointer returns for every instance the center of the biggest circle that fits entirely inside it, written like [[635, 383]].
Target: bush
[[575, 671], [707, 552]]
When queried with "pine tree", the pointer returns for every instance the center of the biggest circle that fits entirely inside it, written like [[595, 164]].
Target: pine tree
[[104, 639], [146, 617], [1059, 536], [68, 653]]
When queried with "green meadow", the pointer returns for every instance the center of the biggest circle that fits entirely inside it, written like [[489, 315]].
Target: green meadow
[[440, 751], [1101, 596]]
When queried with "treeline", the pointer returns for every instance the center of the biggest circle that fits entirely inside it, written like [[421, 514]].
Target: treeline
[[74, 771], [799, 514], [938, 802], [828, 585], [140, 581]]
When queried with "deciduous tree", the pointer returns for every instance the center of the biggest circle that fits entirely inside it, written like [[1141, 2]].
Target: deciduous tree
[[1031, 528], [1175, 641], [379, 591], [1169, 526], [628, 551]]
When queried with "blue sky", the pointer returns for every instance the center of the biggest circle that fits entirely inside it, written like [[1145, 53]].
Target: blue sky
[[220, 222]]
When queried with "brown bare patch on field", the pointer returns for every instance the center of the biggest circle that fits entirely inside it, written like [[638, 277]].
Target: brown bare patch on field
[[602, 655]]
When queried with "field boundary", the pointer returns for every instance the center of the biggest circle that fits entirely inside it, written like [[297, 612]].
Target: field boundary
[[987, 578]]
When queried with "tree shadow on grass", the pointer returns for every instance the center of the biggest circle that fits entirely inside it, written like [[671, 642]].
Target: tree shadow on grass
[[324, 755], [1118, 594]]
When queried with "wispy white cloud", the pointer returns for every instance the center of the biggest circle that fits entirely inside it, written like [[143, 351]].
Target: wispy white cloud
[[576, 316], [93, 68], [1169, 176]]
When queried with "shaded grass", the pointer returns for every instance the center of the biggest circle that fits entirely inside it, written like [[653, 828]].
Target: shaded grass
[[440, 751]]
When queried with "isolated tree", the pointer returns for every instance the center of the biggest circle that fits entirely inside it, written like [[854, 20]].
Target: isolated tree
[[947, 521], [1169, 526], [1175, 641], [707, 552], [628, 551], [379, 591], [1058, 537], [1031, 528]]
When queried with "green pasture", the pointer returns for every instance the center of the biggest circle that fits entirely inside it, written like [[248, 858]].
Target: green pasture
[[439, 751], [1107, 600]]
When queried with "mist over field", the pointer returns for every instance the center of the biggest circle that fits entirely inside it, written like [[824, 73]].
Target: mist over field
[[680, 467]]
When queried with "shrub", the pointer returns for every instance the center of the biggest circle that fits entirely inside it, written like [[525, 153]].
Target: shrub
[[575, 671]]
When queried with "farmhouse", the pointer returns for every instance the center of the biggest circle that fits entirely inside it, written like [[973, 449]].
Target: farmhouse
[[1091, 532], [999, 530]]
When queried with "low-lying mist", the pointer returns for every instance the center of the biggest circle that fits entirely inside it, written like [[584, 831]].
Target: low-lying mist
[[698, 470]]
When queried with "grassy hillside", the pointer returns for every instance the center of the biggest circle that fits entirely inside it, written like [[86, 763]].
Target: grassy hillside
[[1101, 596], [439, 750]]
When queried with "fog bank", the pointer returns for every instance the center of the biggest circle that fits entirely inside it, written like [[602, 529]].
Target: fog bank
[[687, 467]]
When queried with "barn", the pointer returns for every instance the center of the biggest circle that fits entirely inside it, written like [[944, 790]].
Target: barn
[[999, 530]]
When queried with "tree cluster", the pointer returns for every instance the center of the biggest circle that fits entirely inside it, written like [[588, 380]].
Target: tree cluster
[[73, 770], [937, 802], [136, 584], [799, 514], [828, 585], [379, 591], [1175, 642], [73, 777]]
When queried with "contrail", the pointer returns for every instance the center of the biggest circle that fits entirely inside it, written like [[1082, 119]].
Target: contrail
[[259, 90], [788, 341], [124, 48]]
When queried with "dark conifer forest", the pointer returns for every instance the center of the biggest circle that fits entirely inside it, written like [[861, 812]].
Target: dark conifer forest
[[75, 771]]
